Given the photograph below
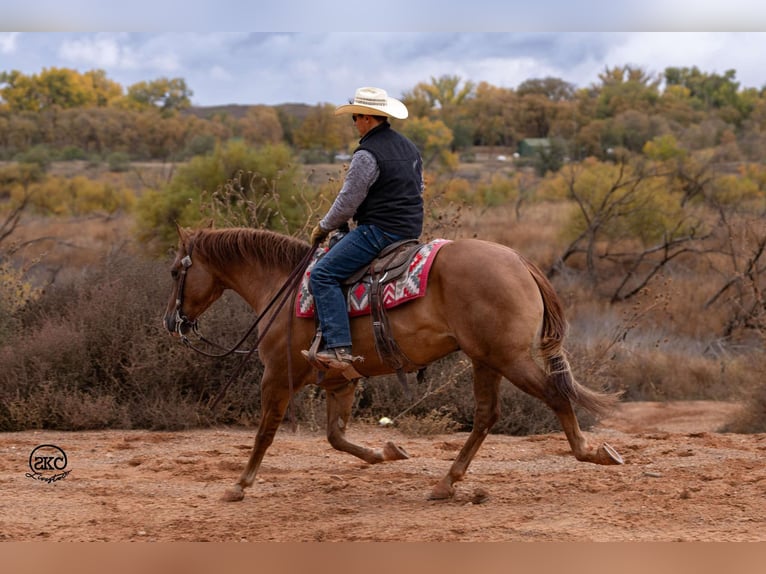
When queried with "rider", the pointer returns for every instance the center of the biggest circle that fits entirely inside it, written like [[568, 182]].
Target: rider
[[383, 193]]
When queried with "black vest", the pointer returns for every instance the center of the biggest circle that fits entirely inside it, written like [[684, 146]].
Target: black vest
[[394, 202]]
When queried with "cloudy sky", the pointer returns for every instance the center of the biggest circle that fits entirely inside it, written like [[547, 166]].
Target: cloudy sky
[[486, 40]]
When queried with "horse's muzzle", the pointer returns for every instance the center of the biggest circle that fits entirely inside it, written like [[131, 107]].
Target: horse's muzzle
[[177, 324]]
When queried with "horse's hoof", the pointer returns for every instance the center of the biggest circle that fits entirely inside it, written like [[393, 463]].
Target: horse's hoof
[[441, 492], [607, 455], [393, 452], [234, 494]]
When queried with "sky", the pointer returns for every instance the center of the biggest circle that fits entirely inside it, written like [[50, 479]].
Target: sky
[[302, 52]]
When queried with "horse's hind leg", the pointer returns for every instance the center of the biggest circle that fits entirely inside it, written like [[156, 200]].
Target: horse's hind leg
[[556, 391], [486, 386], [604, 454], [339, 403]]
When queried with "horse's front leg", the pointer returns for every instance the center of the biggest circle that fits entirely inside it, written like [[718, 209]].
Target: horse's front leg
[[339, 403], [274, 401]]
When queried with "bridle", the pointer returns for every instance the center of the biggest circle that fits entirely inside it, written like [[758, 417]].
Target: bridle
[[285, 292], [184, 324]]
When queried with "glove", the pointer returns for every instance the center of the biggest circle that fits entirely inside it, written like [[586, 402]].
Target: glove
[[318, 235]]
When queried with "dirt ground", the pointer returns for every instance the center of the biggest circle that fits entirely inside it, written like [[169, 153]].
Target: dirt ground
[[681, 481]]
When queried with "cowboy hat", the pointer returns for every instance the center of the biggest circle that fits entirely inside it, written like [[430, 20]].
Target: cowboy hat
[[374, 102]]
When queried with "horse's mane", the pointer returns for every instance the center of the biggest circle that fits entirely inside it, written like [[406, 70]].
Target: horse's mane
[[233, 245]]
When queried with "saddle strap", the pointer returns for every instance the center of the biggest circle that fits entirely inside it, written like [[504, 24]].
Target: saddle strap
[[385, 344]]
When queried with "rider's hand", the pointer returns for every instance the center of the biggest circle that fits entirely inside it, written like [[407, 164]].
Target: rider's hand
[[318, 235]]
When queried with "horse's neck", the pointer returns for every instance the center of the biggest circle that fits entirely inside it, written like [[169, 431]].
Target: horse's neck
[[254, 282]]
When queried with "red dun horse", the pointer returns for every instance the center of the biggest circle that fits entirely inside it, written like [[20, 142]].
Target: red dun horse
[[483, 299]]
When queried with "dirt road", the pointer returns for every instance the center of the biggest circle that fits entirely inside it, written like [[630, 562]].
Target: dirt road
[[681, 481]]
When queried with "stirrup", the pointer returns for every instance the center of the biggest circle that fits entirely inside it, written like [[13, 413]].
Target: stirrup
[[336, 358], [331, 359]]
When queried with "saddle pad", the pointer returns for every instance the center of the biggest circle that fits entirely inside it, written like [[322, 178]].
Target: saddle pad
[[410, 285]]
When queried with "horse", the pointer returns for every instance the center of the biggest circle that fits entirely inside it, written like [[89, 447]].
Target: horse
[[483, 298]]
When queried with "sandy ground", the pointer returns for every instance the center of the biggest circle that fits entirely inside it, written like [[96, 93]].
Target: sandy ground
[[682, 481]]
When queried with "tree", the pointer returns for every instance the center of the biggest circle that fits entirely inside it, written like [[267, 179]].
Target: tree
[[323, 130], [492, 112], [446, 100], [261, 126], [166, 94], [553, 89], [57, 88], [433, 138], [626, 88], [626, 223], [714, 92]]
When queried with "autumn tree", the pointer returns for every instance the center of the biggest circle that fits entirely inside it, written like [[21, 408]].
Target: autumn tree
[[57, 87], [492, 112], [709, 90], [323, 130], [625, 88], [168, 95], [433, 138], [445, 99], [627, 223], [261, 126]]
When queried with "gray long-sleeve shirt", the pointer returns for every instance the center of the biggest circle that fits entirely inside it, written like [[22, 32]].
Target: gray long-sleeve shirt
[[362, 173]]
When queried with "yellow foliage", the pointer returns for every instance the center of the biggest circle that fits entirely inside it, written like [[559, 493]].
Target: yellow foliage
[[731, 189], [663, 148], [15, 292], [617, 202], [500, 189], [459, 190], [77, 196]]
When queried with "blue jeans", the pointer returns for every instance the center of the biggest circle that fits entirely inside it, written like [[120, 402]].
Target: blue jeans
[[355, 250]]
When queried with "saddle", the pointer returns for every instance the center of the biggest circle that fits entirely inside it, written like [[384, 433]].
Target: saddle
[[389, 264]]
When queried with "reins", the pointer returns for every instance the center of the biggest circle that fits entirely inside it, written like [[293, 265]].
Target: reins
[[285, 292]]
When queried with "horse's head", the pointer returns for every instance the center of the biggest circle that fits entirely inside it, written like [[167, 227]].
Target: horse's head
[[195, 287]]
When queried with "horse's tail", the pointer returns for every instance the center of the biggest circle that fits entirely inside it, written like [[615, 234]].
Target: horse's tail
[[551, 348]]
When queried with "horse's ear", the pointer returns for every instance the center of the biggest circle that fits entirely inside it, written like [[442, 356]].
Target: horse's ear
[[182, 233]]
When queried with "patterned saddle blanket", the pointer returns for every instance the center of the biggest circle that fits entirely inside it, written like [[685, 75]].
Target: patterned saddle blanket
[[410, 285]]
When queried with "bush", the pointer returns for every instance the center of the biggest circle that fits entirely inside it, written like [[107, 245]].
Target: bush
[[752, 420], [15, 293], [260, 184], [92, 354], [118, 161], [73, 153], [77, 196]]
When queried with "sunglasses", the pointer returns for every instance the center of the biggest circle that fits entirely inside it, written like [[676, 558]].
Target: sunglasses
[[355, 117]]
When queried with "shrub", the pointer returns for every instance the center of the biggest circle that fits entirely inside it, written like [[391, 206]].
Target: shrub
[[78, 195], [235, 177], [92, 354], [752, 419], [118, 161], [15, 293], [72, 153]]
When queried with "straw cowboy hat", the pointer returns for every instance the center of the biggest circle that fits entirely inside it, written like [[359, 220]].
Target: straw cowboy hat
[[374, 102]]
